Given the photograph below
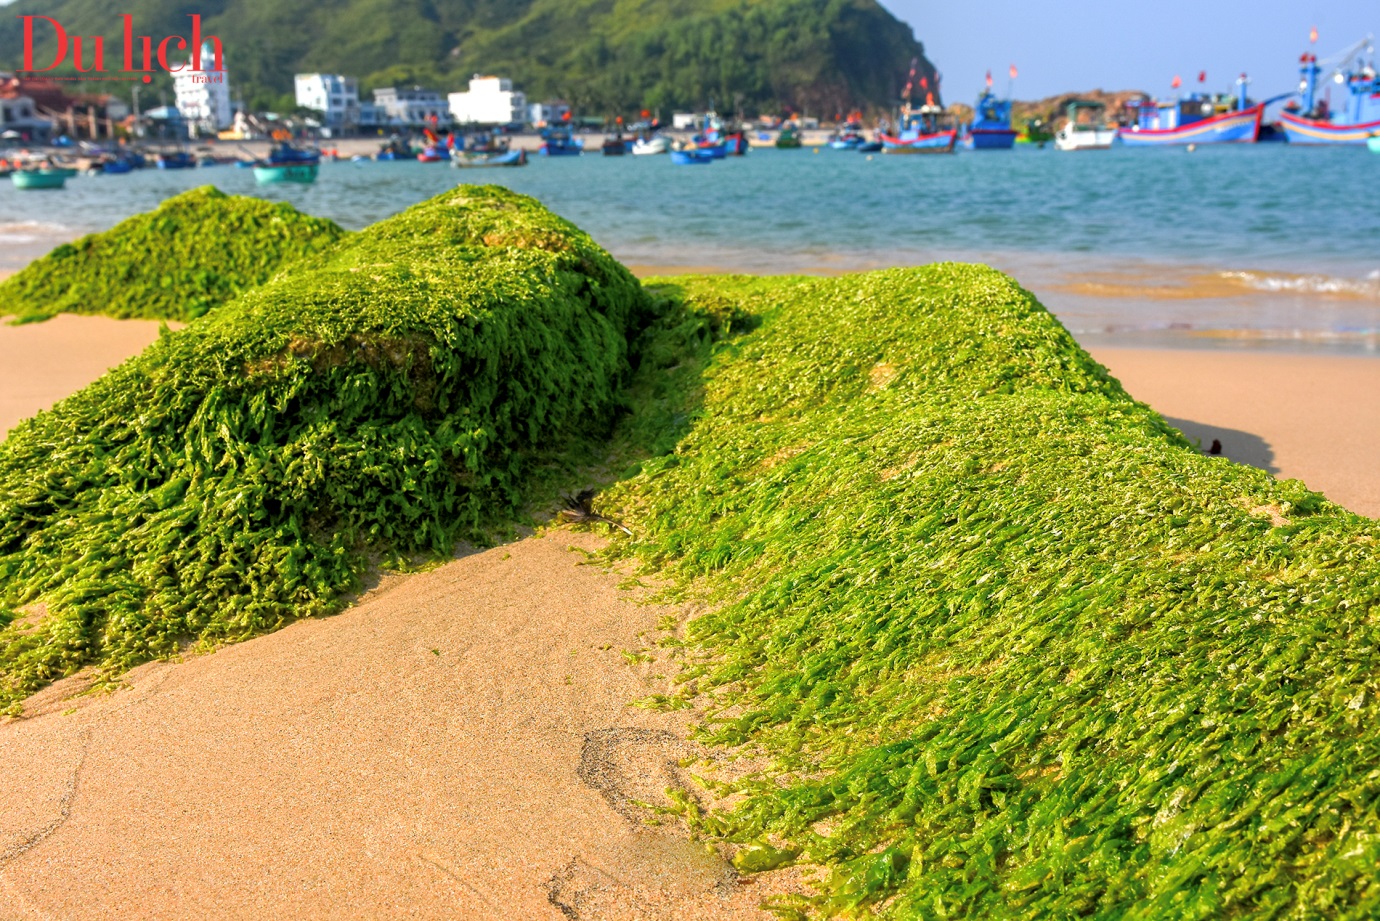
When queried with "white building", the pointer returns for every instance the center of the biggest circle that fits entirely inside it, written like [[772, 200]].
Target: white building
[[203, 95], [490, 101], [336, 97], [412, 108], [547, 113]]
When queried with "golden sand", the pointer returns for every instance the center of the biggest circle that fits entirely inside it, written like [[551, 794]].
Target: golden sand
[[461, 744]]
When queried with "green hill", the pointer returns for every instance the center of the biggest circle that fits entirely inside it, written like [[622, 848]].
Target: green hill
[[820, 56]]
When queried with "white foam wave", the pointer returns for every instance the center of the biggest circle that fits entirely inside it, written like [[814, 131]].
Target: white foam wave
[[1367, 288]]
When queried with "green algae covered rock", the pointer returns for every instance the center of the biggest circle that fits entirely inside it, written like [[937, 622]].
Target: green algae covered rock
[[393, 399], [193, 253], [1013, 647]]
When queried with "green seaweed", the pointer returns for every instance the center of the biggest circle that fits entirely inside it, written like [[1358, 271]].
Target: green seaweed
[[399, 396], [1012, 646], [193, 253]]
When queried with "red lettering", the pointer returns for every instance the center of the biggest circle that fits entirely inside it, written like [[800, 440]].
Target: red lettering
[[197, 42], [29, 42], [163, 52], [98, 62]]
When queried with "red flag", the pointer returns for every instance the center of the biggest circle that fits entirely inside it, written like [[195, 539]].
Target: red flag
[[989, 79], [646, 113], [1013, 71], [924, 83], [1313, 34], [1202, 76], [1176, 82], [565, 116]]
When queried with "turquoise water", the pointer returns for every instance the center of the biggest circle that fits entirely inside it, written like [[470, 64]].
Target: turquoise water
[[1261, 244]]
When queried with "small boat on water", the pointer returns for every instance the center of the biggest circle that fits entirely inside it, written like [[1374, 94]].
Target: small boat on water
[[920, 133], [690, 154], [465, 159], [286, 163], [651, 145], [1373, 142], [1311, 120], [177, 159], [559, 141], [1087, 127], [435, 151], [42, 178], [615, 146], [266, 174], [1195, 119], [991, 129], [847, 137], [789, 138], [395, 149]]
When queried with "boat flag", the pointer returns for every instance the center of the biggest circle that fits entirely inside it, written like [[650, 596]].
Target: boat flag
[[1313, 35], [1202, 76], [989, 79], [1013, 71], [1176, 82]]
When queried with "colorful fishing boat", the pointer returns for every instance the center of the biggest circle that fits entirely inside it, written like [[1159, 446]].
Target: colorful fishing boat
[[848, 136], [1195, 119], [45, 178], [991, 129], [1311, 121], [920, 133], [395, 149], [1087, 127], [558, 141], [690, 155]]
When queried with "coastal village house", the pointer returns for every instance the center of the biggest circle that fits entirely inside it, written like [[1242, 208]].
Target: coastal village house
[[547, 113], [489, 101], [18, 118], [412, 108], [203, 96], [336, 97]]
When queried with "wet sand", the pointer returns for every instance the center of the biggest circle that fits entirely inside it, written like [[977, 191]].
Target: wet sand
[[1309, 417], [461, 744], [40, 363]]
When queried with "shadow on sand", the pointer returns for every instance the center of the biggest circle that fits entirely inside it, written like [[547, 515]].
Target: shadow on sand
[[1242, 447]]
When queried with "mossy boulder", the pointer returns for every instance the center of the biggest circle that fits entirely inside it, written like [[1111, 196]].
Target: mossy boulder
[[193, 253], [391, 400]]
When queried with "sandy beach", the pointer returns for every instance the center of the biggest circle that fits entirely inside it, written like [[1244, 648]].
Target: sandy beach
[[461, 744]]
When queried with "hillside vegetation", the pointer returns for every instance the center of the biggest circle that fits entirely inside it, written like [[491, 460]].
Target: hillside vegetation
[[606, 56], [193, 253]]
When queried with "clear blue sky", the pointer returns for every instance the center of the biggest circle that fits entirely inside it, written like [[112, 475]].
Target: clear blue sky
[[1079, 45]]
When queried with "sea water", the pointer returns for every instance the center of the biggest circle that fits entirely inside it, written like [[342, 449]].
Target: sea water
[[1233, 245]]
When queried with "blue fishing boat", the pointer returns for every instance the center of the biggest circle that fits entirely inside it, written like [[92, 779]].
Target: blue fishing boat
[[847, 137], [1311, 120], [178, 159], [690, 156], [918, 129], [464, 159], [1195, 119], [558, 141], [991, 129], [395, 149]]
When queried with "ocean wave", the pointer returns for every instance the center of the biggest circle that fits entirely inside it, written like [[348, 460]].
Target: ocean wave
[[1365, 288]]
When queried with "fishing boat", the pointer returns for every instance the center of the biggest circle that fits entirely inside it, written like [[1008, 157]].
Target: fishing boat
[[178, 159], [1311, 121], [789, 138], [869, 147], [435, 150], [558, 141], [117, 166], [466, 159], [991, 129], [1087, 127], [920, 133], [1195, 119], [395, 149], [650, 146], [689, 154], [43, 178], [615, 146], [848, 136]]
